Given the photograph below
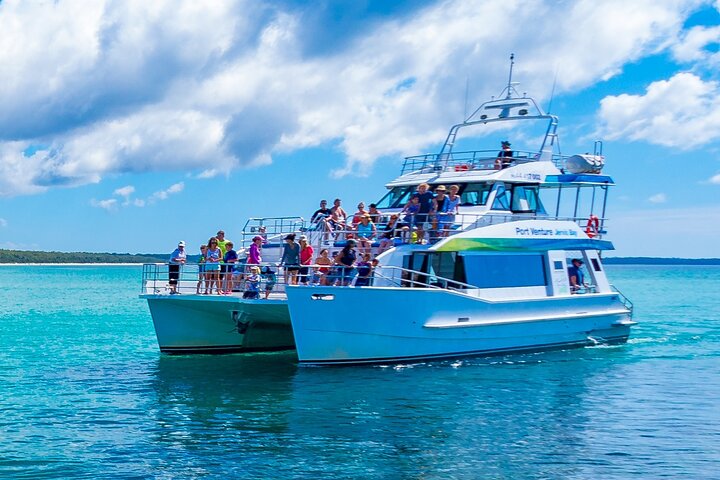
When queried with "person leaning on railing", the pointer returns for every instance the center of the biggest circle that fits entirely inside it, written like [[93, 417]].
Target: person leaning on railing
[[391, 231], [177, 258]]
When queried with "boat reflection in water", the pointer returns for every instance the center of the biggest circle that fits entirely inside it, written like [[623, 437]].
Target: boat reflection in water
[[520, 416]]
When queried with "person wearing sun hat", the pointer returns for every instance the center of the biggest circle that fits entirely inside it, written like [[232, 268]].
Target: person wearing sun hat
[[437, 208], [177, 258], [504, 156], [346, 261]]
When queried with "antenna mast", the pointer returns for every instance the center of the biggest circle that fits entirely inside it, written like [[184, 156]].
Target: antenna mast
[[509, 87]]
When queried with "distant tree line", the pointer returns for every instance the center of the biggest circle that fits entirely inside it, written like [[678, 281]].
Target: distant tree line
[[22, 256], [659, 261]]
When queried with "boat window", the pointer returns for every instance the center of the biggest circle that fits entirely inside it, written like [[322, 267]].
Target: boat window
[[438, 267], [498, 271], [502, 198], [396, 197], [595, 264], [474, 194], [526, 199]]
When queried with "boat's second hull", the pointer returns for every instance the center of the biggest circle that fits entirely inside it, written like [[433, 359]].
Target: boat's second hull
[[213, 324], [377, 325]]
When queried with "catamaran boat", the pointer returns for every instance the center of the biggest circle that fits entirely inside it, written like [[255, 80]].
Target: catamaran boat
[[495, 280]]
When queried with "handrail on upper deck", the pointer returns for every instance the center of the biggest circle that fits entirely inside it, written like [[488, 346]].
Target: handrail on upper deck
[[471, 160]]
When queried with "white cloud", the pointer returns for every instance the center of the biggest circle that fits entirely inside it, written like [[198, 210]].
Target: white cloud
[[715, 179], [164, 194], [692, 46], [682, 112], [658, 198], [125, 192], [140, 86], [109, 204], [3, 223]]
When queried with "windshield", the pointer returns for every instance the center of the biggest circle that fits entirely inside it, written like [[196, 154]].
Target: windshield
[[397, 197]]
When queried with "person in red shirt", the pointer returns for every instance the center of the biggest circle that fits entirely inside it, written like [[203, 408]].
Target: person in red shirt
[[306, 256]]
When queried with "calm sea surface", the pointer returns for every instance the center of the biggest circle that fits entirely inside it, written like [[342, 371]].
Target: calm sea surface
[[85, 393]]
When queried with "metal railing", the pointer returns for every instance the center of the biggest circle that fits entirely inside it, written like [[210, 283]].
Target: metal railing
[[272, 229], [470, 160], [195, 278], [405, 277], [625, 300], [440, 226]]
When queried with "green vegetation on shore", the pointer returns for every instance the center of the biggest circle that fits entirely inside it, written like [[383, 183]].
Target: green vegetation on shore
[[22, 256], [659, 261]]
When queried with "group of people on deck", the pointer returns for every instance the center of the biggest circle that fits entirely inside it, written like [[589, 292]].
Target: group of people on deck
[[219, 267], [340, 269], [425, 211]]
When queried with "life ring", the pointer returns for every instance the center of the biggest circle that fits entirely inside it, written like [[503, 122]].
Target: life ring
[[592, 228], [462, 168]]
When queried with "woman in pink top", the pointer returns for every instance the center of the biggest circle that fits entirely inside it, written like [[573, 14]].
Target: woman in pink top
[[306, 255]]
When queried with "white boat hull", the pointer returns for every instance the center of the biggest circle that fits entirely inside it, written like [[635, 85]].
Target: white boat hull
[[219, 324], [345, 325]]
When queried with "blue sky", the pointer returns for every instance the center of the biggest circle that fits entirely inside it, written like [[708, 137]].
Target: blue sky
[[128, 125]]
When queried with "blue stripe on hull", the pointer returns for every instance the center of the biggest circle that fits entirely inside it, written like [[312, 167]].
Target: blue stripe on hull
[[472, 353]]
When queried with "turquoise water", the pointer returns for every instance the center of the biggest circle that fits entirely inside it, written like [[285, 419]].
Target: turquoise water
[[84, 393]]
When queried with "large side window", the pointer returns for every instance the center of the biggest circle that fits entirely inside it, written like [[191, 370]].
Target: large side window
[[474, 194], [436, 268], [499, 271]]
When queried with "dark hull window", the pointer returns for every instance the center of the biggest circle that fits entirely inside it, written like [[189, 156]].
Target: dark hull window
[[501, 271]]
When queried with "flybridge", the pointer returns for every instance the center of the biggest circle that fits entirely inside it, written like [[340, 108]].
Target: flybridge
[[510, 106]]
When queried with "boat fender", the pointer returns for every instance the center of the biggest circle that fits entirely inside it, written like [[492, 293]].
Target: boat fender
[[592, 228]]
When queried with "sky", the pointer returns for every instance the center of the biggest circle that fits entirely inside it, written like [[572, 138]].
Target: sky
[[126, 126]]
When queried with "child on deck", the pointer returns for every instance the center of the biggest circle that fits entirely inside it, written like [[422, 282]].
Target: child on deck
[[364, 269], [411, 212], [230, 259], [270, 279], [252, 283], [201, 268]]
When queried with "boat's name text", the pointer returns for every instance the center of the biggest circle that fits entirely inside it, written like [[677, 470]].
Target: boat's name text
[[546, 232]]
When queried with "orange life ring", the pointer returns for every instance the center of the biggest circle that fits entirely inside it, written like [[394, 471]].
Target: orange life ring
[[592, 228]]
